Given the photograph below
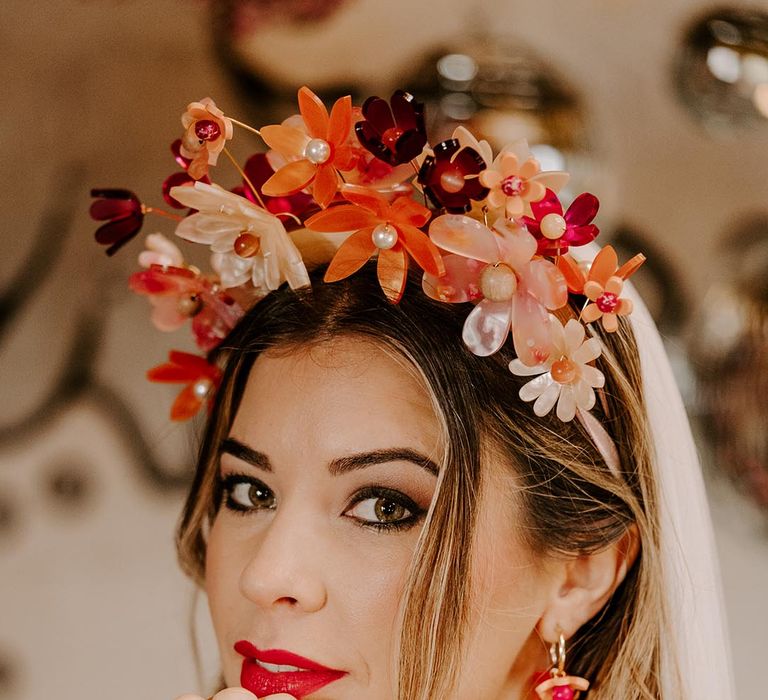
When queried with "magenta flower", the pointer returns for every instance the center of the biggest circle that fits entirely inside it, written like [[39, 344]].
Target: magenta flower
[[394, 132], [122, 211], [449, 177], [554, 231]]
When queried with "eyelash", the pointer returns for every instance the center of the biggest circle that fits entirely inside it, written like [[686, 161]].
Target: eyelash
[[227, 484]]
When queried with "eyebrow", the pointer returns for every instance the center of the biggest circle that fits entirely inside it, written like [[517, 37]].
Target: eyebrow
[[338, 466]]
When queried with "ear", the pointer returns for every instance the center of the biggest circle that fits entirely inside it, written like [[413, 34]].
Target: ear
[[586, 584]]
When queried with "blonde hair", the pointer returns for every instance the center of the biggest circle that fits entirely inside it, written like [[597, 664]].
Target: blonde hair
[[571, 503]]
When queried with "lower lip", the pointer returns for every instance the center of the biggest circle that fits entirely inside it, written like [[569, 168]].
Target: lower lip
[[261, 682]]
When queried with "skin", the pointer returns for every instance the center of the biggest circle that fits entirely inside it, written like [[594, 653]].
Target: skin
[[305, 575]]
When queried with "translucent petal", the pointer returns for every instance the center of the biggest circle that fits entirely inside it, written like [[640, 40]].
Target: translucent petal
[[631, 266], [367, 199], [225, 243], [583, 209], [614, 285], [487, 326], [407, 210], [285, 139], [625, 307], [314, 113], [529, 168], [422, 250], [345, 217], [553, 180], [603, 266], [519, 149], [464, 236], [460, 283], [291, 178], [591, 313], [610, 323], [351, 255], [325, 185], [517, 245], [546, 283], [392, 269], [574, 336], [204, 228], [186, 405], [340, 122], [584, 395], [165, 314], [547, 400]]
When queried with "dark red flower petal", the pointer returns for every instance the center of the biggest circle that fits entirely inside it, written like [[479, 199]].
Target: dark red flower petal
[[408, 113], [446, 181], [176, 180], [377, 112]]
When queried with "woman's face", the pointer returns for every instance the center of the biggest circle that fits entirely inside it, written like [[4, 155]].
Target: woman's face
[[328, 472]]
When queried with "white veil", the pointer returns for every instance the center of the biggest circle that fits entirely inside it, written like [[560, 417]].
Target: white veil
[[699, 639]]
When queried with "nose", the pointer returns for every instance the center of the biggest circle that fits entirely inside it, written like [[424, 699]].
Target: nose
[[285, 569]]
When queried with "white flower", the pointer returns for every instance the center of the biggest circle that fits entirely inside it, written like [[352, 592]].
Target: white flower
[[565, 378], [248, 243], [160, 251]]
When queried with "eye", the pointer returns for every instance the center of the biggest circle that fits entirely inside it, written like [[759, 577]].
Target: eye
[[384, 509], [245, 493]]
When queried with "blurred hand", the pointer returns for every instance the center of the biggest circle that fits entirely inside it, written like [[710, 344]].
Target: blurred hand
[[238, 694]]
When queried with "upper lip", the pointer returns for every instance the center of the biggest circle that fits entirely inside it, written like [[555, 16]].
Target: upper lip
[[280, 656]]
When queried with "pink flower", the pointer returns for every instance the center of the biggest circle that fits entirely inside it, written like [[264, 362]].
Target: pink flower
[[555, 231], [206, 131], [497, 267], [515, 180], [565, 378]]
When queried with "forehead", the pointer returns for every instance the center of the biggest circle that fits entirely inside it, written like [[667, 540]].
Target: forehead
[[339, 396]]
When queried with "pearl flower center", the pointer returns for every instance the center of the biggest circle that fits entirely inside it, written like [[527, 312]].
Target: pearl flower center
[[384, 236], [317, 151]]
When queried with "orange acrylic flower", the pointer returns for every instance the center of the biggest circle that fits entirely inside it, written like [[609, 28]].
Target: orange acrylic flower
[[315, 155], [602, 286], [201, 379], [392, 230]]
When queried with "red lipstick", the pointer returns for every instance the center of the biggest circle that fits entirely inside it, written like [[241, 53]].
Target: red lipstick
[[310, 677]]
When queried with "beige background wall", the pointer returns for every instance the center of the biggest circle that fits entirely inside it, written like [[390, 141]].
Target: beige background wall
[[91, 602]]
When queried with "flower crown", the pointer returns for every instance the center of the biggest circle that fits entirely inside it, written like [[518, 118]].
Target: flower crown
[[484, 229]]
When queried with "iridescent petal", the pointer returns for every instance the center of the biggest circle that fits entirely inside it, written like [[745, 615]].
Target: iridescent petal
[[519, 149], [460, 283], [464, 236], [392, 270], [521, 370], [536, 387], [566, 404], [552, 180], [516, 244], [225, 243], [543, 280], [592, 376], [530, 330], [589, 351], [573, 334], [547, 400], [487, 326]]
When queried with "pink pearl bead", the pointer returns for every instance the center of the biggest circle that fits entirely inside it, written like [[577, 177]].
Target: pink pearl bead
[[562, 692], [512, 185]]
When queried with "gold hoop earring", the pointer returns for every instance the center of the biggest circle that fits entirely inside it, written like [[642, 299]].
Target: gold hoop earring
[[560, 686]]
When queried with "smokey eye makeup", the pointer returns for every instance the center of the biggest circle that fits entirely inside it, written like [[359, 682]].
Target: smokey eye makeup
[[374, 507]]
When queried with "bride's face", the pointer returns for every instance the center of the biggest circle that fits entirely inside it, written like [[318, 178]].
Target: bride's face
[[327, 474]]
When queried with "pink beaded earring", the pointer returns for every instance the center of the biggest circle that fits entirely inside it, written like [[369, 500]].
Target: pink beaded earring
[[560, 686]]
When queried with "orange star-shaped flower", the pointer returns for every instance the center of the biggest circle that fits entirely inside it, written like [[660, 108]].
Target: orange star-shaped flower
[[392, 230], [314, 155]]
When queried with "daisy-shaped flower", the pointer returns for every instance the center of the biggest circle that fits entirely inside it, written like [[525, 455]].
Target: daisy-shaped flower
[[555, 231], [394, 132], [391, 230], [449, 176], [201, 379], [514, 180], [206, 132], [124, 214], [315, 155], [602, 285], [565, 378], [498, 268], [248, 242]]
